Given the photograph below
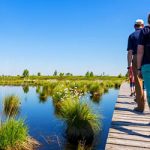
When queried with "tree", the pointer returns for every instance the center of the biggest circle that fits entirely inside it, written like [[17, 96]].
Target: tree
[[120, 75], [39, 74], [87, 74], [61, 74], [91, 74], [55, 73], [25, 73], [69, 74]]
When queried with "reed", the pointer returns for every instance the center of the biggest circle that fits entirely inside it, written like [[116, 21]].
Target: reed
[[11, 105], [14, 136], [12, 133]]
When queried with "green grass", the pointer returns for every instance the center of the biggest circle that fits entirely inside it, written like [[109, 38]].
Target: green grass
[[11, 105], [82, 123], [13, 134], [96, 88], [41, 80], [59, 92]]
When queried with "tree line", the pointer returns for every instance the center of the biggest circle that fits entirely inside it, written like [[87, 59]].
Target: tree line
[[26, 73]]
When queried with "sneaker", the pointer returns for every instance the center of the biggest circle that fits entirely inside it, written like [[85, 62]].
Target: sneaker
[[132, 94], [138, 110]]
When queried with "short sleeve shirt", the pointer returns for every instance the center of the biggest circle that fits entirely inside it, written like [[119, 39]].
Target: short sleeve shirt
[[144, 39], [133, 41]]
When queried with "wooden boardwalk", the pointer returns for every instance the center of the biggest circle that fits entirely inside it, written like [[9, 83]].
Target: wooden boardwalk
[[129, 130]]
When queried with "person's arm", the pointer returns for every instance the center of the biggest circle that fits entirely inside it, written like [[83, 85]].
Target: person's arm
[[130, 52], [140, 53], [129, 57]]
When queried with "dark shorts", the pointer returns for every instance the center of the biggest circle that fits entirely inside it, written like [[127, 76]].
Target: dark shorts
[[132, 84]]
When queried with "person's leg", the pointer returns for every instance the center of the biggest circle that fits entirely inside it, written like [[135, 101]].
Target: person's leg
[[146, 76], [134, 88], [131, 88], [138, 87]]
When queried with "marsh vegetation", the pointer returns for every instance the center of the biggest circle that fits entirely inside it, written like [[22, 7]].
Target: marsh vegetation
[[14, 132], [82, 122]]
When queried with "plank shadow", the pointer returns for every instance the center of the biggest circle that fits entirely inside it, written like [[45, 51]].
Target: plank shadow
[[130, 103], [118, 125], [125, 96]]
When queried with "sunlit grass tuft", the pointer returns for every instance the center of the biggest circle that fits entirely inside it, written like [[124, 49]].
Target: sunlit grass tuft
[[82, 123], [12, 134]]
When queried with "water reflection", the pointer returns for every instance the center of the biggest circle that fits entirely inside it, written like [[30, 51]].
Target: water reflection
[[38, 89], [43, 96], [96, 97], [11, 106], [106, 90], [25, 88], [43, 119], [57, 109], [80, 146]]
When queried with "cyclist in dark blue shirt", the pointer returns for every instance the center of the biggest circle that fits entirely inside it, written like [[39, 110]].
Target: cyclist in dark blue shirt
[[132, 61]]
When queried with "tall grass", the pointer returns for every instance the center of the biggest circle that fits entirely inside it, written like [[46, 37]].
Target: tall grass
[[78, 86], [11, 105], [13, 134], [82, 123], [59, 92]]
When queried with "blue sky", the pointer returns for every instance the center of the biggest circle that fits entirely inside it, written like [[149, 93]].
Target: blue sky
[[67, 35]]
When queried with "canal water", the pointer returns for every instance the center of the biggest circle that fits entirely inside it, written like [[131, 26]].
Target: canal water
[[44, 123]]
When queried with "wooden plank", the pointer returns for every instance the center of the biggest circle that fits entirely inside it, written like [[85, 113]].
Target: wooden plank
[[142, 132], [137, 120], [132, 113], [126, 142], [129, 130], [130, 137], [123, 116], [123, 147]]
